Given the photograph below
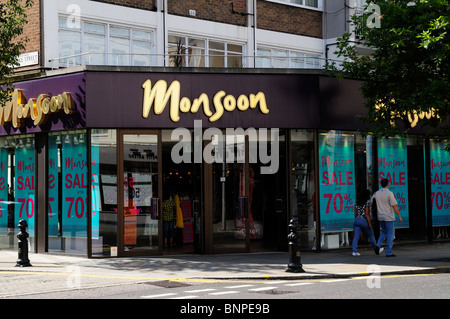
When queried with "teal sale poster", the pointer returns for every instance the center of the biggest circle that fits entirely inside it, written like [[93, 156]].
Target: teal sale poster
[[393, 165], [74, 190], [95, 191], [440, 184], [4, 201], [24, 187], [53, 187], [336, 181]]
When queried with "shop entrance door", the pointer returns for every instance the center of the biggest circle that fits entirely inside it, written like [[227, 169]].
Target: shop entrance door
[[226, 194], [139, 188]]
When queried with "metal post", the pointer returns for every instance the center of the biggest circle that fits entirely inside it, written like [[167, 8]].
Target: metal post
[[23, 260], [295, 264]]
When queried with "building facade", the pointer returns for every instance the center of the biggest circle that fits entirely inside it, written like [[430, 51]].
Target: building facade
[[217, 106]]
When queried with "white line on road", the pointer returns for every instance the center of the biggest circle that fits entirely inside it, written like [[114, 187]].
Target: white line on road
[[157, 296], [239, 286], [224, 293], [263, 288], [199, 290]]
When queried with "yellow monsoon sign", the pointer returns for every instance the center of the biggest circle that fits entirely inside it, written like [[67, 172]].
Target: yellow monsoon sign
[[160, 93], [37, 109]]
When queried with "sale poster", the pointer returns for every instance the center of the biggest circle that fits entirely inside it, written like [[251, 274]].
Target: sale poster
[[337, 181], [4, 201], [53, 186], [24, 187], [74, 190], [392, 165], [440, 184], [95, 191]]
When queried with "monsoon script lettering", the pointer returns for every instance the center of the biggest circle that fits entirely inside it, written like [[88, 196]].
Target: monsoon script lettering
[[160, 94], [38, 109]]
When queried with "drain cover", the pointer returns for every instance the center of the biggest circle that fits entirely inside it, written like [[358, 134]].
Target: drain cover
[[167, 284]]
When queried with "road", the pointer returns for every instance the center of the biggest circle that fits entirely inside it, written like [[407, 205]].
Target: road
[[419, 286]]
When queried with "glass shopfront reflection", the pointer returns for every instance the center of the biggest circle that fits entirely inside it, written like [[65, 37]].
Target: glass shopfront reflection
[[140, 203]]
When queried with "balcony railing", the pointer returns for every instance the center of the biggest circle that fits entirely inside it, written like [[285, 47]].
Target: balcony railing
[[191, 60]]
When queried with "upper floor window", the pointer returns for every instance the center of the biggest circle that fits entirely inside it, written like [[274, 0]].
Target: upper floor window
[[278, 58], [307, 3], [103, 44], [191, 52]]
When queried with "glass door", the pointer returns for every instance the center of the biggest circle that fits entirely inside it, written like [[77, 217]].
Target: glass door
[[229, 202], [140, 185]]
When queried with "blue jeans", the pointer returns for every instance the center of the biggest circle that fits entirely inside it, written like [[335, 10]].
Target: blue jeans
[[387, 232], [359, 225]]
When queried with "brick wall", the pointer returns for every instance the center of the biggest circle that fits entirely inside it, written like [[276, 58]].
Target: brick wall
[[32, 30], [138, 4], [211, 10], [289, 19]]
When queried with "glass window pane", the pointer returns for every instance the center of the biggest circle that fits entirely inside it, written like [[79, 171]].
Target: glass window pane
[[119, 32], [120, 49], [216, 45], [104, 192], [95, 44], [69, 44], [141, 53], [234, 61], [297, 1], [312, 3], [142, 35], [234, 48], [216, 59], [196, 43], [94, 28], [196, 57]]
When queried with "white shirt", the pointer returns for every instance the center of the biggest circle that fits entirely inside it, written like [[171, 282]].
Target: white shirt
[[385, 199]]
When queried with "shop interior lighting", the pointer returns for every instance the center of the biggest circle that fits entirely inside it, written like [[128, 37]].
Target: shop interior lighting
[[67, 139], [58, 140], [28, 142], [81, 139]]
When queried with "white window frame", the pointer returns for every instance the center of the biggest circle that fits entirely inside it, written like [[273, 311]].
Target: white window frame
[[303, 5], [206, 49], [108, 55]]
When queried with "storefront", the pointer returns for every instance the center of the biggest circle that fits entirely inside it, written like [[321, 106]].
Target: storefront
[[96, 160]]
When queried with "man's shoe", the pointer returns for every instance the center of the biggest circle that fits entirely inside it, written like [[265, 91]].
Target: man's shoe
[[378, 250], [391, 255], [356, 254]]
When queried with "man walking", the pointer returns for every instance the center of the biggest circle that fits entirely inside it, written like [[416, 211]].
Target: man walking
[[386, 206]]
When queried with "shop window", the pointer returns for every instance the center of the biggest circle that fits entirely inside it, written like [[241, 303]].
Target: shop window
[[440, 190], [17, 188], [67, 192], [344, 169], [104, 192], [303, 186]]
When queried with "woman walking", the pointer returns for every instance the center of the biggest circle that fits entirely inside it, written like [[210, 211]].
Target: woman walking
[[363, 223]]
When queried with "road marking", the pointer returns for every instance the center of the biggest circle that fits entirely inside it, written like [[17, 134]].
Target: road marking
[[334, 280], [263, 288], [274, 282], [223, 293], [157, 296], [199, 290], [185, 297], [239, 286]]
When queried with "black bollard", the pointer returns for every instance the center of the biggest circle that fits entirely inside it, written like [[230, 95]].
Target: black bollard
[[295, 264], [23, 260]]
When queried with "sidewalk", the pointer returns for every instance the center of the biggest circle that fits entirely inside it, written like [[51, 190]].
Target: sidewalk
[[57, 272]]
